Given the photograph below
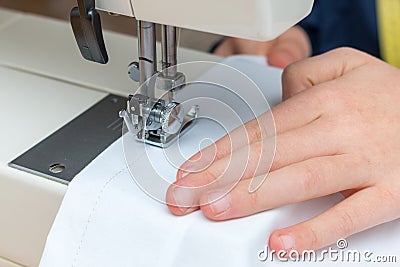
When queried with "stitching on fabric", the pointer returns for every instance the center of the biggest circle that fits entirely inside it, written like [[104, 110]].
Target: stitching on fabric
[[93, 212]]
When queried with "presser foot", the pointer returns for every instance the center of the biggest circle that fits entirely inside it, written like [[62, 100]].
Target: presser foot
[[164, 124]]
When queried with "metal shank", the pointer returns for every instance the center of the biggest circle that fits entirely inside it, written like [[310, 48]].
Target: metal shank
[[169, 42], [147, 55]]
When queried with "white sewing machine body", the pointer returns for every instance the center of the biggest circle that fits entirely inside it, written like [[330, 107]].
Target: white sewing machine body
[[159, 121], [249, 19], [29, 202], [53, 80]]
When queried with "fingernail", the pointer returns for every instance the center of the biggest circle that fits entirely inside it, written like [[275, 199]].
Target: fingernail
[[184, 174], [287, 242], [186, 169], [183, 199], [220, 206], [281, 59], [289, 58]]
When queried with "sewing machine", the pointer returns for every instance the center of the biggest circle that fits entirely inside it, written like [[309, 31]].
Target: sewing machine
[[159, 120], [75, 88]]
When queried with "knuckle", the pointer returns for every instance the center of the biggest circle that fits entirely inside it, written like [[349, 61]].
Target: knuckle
[[256, 150], [208, 178], [266, 124], [212, 174], [217, 151], [290, 72], [344, 51], [280, 157], [314, 238], [309, 234], [212, 180], [254, 201], [345, 223], [349, 51], [390, 197], [224, 173], [253, 131], [254, 159], [310, 179]]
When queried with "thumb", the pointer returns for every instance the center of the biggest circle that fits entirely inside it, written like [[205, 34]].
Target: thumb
[[281, 59], [291, 46]]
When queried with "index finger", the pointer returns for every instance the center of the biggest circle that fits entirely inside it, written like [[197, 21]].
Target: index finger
[[291, 114]]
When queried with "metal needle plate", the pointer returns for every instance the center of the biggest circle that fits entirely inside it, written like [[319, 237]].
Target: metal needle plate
[[62, 155]]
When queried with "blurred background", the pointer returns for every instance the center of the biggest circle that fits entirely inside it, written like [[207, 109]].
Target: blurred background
[[60, 9]]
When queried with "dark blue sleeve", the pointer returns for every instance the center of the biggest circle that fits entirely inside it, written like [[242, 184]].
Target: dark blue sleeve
[[338, 23]]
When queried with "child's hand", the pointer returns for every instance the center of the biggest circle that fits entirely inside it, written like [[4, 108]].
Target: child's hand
[[291, 46], [337, 131]]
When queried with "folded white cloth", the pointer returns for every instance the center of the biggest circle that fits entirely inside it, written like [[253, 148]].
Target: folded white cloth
[[106, 220]]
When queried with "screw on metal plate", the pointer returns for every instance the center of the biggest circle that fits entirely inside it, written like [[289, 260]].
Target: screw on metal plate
[[56, 168]]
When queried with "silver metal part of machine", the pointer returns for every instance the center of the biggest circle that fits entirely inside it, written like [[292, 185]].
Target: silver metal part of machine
[[157, 120], [154, 120]]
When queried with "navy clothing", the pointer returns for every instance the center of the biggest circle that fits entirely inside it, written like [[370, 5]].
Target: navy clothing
[[338, 23]]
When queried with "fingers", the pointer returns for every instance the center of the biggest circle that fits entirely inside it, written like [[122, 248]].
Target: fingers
[[362, 210], [293, 113], [301, 109], [233, 46], [317, 139], [253, 131], [251, 47], [250, 161], [298, 182], [291, 46], [316, 70], [314, 140]]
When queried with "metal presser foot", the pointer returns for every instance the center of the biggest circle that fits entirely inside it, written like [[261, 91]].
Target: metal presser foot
[[159, 122]]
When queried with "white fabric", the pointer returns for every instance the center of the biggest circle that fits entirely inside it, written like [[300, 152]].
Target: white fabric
[[106, 220]]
